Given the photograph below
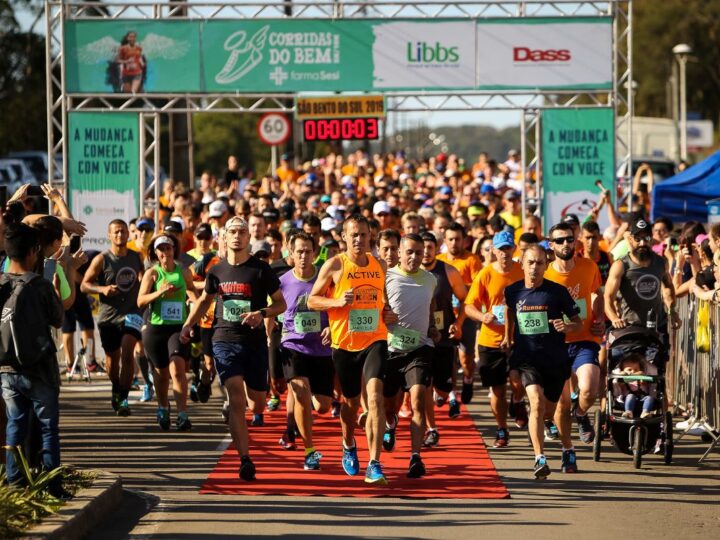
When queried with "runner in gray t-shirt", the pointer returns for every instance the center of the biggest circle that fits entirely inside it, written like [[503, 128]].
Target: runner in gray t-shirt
[[410, 291]]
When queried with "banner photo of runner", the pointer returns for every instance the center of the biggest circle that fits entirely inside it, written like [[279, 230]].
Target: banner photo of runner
[[103, 165], [578, 148], [143, 56]]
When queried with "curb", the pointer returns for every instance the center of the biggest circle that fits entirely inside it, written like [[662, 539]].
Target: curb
[[90, 506]]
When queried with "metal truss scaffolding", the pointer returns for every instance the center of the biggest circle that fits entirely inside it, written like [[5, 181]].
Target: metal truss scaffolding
[[528, 102]]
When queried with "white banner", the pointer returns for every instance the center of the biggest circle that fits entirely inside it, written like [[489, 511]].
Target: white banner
[[545, 54], [559, 205], [424, 55], [97, 209]]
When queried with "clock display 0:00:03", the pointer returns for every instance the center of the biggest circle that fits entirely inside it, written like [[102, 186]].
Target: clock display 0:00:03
[[340, 129]]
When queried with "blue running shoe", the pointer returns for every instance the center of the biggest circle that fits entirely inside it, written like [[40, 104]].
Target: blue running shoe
[[148, 393], [389, 439], [551, 431], [453, 409], [163, 418], [193, 393], [273, 403], [350, 462], [258, 420], [374, 474], [569, 461], [541, 469], [312, 461], [123, 408]]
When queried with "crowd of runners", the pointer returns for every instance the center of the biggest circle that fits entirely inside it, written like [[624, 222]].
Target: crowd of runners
[[375, 290]]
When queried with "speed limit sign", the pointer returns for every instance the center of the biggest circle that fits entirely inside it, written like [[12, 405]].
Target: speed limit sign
[[273, 128]]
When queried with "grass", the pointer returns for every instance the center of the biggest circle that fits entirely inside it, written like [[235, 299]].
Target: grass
[[22, 507]]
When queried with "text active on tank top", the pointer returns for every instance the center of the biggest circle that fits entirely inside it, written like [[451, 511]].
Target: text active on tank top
[[169, 309], [357, 326]]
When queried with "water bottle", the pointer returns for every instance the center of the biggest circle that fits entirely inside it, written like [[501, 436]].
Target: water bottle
[[651, 320]]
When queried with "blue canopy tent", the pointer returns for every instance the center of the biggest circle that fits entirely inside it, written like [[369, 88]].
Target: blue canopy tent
[[683, 197]]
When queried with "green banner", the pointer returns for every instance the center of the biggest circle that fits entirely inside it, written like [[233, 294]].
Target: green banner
[[309, 55], [578, 149], [103, 169]]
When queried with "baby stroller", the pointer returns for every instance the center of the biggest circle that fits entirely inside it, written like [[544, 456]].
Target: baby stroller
[[635, 436]]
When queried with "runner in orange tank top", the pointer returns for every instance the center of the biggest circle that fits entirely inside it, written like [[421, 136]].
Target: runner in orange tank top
[[351, 288]]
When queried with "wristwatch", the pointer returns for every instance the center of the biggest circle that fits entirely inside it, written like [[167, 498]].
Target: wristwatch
[[263, 312]]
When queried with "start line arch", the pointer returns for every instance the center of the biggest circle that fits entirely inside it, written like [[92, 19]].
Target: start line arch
[[255, 57]]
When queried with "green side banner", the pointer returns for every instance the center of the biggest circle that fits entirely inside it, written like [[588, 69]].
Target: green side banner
[[103, 170], [228, 56], [577, 150]]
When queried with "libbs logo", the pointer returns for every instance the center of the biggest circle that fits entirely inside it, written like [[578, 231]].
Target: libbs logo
[[423, 52], [525, 54]]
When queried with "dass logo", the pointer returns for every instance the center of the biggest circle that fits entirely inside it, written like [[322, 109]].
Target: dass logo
[[525, 54]]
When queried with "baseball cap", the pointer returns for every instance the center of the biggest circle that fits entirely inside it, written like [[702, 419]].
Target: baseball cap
[[487, 188], [446, 190], [572, 219], [271, 215], [511, 194], [160, 240], [325, 199], [259, 247], [173, 227], [145, 224], [236, 222], [207, 198], [477, 210], [204, 230], [328, 224], [381, 207], [217, 209], [640, 227], [503, 239]]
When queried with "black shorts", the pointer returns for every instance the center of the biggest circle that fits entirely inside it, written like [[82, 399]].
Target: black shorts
[[319, 370], [248, 360], [161, 342], [469, 336], [493, 366], [111, 335], [443, 363], [276, 356], [79, 314], [206, 335], [354, 367], [551, 378], [407, 369]]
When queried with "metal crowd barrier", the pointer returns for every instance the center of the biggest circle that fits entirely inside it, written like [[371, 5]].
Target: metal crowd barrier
[[696, 374]]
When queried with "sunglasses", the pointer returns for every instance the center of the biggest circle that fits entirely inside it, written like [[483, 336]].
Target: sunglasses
[[563, 240]]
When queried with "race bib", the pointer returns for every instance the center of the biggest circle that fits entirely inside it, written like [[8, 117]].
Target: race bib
[[134, 321], [232, 309], [533, 322], [582, 304], [171, 311], [307, 322], [364, 320], [439, 319], [404, 339], [499, 312]]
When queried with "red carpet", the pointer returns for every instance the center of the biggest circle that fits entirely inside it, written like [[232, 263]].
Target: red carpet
[[459, 468]]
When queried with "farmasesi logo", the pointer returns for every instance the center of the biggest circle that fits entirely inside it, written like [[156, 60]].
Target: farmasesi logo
[[431, 54]]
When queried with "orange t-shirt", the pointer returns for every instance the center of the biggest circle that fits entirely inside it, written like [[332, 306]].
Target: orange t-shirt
[[468, 265], [488, 291], [357, 326], [581, 282]]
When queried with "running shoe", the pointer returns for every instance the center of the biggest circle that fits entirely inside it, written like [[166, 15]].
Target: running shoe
[[350, 462], [183, 423], [163, 418], [467, 392], [273, 403], [416, 468], [94, 367], [521, 415], [123, 408], [551, 431], [115, 401], [135, 385], [585, 428], [569, 461], [439, 400], [287, 441], [389, 439], [374, 474], [204, 390], [454, 409], [432, 438], [362, 420], [247, 469], [541, 470], [148, 393], [225, 412], [258, 420], [193, 393], [335, 410], [502, 437], [312, 461]]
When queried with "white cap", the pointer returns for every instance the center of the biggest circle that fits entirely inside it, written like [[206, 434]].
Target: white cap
[[179, 221], [381, 207], [160, 240], [404, 176], [331, 211], [328, 223], [207, 198], [217, 209]]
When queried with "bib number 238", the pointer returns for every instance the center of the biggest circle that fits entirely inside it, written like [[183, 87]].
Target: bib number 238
[[534, 322]]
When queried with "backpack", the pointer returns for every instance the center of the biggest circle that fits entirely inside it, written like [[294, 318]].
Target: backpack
[[25, 338]]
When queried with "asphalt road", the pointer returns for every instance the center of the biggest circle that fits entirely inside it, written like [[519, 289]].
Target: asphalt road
[[163, 471]]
